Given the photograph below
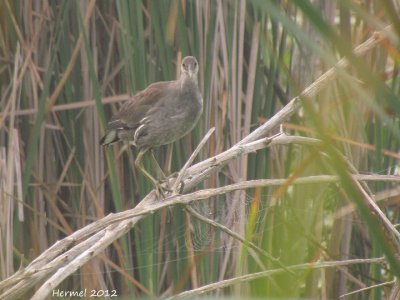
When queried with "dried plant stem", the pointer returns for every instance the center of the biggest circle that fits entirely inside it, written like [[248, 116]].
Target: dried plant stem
[[368, 288], [6, 207], [225, 229], [249, 277], [68, 70], [68, 253], [392, 235], [191, 159]]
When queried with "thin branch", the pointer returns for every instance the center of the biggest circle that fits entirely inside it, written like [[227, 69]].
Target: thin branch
[[69, 106], [368, 288], [375, 210], [206, 168], [106, 238], [389, 227], [236, 236], [253, 276], [191, 159], [395, 292]]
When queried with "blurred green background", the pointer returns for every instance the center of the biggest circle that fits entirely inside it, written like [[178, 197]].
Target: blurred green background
[[67, 66]]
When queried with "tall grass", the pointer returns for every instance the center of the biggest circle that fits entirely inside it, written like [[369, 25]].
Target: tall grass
[[254, 56]]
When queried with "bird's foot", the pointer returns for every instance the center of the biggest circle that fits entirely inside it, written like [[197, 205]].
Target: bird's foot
[[175, 174], [162, 189], [180, 187], [165, 179]]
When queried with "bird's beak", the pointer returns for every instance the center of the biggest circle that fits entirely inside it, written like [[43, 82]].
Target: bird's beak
[[191, 71]]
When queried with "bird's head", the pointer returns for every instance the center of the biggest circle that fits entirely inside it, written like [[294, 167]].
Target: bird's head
[[189, 67]]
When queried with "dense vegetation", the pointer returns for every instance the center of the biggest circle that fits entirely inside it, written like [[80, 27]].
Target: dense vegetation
[[66, 66]]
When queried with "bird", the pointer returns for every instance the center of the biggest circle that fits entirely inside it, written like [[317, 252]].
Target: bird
[[160, 114]]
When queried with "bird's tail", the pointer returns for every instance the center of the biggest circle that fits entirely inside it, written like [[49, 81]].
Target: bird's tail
[[110, 137]]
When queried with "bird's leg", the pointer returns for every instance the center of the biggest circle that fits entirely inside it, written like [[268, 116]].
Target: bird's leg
[[139, 165], [159, 171]]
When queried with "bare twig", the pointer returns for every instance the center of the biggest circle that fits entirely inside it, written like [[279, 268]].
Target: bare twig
[[367, 196], [368, 288], [253, 276], [236, 236], [395, 292], [69, 106], [191, 159], [97, 244]]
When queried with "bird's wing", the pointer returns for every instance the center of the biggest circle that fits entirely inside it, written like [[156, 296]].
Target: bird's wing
[[135, 110]]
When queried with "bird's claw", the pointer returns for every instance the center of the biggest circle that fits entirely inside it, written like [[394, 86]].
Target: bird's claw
[[165, 179], [162, 189], [175, 174], [180, 187]]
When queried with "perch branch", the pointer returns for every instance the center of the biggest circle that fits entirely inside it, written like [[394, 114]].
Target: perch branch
[[64, 251]]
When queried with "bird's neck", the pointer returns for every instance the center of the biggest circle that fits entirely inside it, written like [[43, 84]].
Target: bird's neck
[[188, 82]]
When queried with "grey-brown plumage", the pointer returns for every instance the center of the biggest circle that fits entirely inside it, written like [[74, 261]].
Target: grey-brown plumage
[[159, 115]]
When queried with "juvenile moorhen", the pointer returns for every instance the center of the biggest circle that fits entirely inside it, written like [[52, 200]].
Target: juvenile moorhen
[[158, 115]]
